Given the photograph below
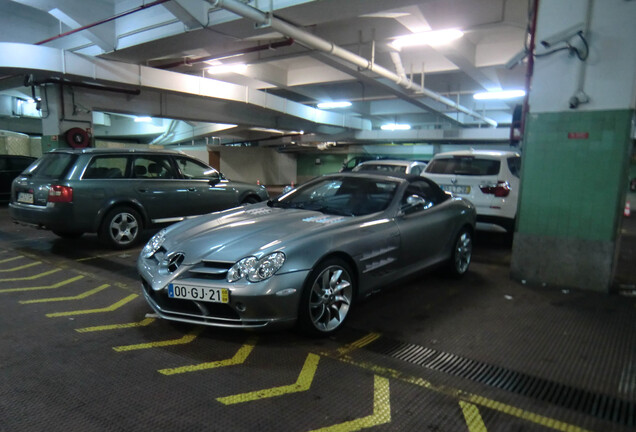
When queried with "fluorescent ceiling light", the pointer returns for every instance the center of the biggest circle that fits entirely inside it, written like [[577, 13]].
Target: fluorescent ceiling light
[[502, 94], [395, 126], [432, 38], [228, 68], [143, 119], [336, 104]]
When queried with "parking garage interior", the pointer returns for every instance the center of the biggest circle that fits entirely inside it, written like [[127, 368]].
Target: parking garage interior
[[538, 335]]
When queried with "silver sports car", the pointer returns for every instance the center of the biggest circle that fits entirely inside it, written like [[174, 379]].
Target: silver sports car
[[307, 256]]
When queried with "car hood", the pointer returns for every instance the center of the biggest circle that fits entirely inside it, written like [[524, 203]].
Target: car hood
[[251, 230]]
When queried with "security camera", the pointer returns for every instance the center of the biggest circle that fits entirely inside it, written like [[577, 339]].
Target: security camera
[[578, 99], [563, 36]]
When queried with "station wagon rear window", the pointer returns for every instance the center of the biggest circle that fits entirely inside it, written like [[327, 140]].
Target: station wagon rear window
[[464, 165], [52, 166]]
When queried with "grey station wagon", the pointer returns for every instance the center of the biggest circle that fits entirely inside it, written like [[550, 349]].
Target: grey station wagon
[[118, 192]]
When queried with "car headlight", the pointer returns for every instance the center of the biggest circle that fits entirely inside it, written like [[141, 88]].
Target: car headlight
[[154, 244], [256, 270]]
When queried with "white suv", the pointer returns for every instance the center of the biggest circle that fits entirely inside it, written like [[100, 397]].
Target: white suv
[[489, 179]]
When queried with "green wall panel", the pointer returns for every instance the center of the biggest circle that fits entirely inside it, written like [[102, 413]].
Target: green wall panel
[[573, 187]]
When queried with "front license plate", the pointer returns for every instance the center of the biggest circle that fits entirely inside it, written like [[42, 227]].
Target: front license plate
[[189, 292], [462, 190], [24, 197]]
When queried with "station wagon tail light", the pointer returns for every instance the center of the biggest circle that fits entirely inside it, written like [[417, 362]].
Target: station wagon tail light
[[500, 189], [256, 270], [61, 194]]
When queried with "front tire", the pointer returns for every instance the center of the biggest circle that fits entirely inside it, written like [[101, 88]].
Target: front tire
[[326, 298], [461, 254], [121, 228]]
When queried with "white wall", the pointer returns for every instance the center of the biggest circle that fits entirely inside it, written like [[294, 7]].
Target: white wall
[[610, 70], [258, 163]]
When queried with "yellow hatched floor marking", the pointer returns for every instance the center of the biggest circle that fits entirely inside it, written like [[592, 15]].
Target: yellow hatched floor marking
[[465, 396], [11, 259], [44, 287], [303, 383], [69, 298], [381, 410], [32, 277], [473, 418], [238, 358], [181, 341], [22, 267], [360, 343], [142, 323], [110, 308]]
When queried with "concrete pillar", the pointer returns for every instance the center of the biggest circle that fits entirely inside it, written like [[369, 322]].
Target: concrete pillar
[[60, 113], [576, 159]]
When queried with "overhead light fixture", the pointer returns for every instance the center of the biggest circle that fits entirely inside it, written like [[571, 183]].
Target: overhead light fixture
[[395, 126], [432, 38], [145, 119], [499, 95], [238, 68], [335, 104]]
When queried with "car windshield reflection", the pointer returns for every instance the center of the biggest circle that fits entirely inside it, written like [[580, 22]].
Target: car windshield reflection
[[341, 196]]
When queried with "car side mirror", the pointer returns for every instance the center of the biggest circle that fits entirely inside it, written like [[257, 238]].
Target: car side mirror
[[413, 203]]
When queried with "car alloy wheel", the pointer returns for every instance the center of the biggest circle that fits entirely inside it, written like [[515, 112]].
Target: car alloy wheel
[[327, 298], [121, 228], [462, 253]]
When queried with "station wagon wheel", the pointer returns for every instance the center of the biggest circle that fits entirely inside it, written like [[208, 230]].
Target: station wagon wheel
[[121, 228], [250, 200], [326, 298], [462, 253]]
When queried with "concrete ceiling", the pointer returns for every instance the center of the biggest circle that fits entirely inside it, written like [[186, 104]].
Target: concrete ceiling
[[185, 36]]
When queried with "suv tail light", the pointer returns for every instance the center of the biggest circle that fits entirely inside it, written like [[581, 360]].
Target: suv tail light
[[58, 193], [500, 189]]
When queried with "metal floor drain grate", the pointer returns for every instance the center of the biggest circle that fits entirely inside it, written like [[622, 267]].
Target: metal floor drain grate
[[598, 405]]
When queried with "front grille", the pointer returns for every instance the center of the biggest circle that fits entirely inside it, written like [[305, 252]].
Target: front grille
[[204, 310], [210, 270]]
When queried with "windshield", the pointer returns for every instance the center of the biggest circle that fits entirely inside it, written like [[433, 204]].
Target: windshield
[[51, 166], [344, 196]]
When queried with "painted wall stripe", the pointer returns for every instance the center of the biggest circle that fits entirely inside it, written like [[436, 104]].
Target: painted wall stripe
[[44, 287], [142, 323], [303, 383], [110, 308], [22, 267], [239, 357], [473, 418], [381, 410], [11, 259], [32, 277], [181, 341], [69, 298]]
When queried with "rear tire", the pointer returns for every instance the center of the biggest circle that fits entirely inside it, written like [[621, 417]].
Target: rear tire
[[121, 228], [326, 298], [250, 200], [461, 254]]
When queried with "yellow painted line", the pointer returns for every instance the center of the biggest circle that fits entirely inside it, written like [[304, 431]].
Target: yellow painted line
[[44, 287], [32, 277], [360, 343], [142, 323], [381, 410], [181, 341], [466, 397], [303, 383], [110, 308], [22, 267], [473, 418], [238, 358], [69, 298], [11, 259]]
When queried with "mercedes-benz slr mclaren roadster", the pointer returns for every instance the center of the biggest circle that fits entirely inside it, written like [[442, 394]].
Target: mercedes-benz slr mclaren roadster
[[307, 256]]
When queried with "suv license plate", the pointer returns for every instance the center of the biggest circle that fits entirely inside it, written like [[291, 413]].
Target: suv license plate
[[463, 190], [189, 292], [24, 197]]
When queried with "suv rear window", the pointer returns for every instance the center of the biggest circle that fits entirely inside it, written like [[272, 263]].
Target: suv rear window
[[52, 166], [464, 165], [514, 165]]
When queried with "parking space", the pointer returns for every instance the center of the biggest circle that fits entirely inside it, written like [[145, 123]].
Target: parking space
[[79, 350]]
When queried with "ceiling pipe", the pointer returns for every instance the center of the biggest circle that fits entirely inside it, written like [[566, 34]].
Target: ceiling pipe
[[312, 41], [189, 62], [104, 21]]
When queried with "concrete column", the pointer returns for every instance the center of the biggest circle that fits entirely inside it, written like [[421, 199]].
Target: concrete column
[[576, 160], [60, 113]]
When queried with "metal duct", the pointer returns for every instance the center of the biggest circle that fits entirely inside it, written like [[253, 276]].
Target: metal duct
[[314, 42]]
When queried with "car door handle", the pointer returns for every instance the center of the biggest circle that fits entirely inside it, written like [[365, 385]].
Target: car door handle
[[142, 190], [192, 189]]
